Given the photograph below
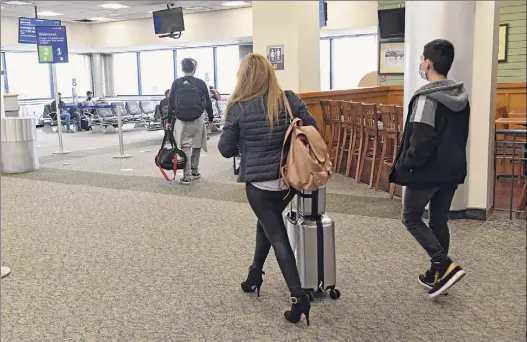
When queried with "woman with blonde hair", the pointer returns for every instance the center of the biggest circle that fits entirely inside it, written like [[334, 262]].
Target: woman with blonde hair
[[255, 125]]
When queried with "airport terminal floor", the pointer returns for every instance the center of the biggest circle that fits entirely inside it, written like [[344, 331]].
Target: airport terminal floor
[[104, 249]]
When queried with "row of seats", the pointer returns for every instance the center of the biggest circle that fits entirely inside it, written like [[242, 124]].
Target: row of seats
[[139, 112], [142, 113]]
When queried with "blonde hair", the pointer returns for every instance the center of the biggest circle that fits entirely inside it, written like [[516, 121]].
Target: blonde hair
[[256, 78]]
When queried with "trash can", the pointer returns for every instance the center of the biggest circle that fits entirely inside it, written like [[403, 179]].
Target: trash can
[[19, 145]]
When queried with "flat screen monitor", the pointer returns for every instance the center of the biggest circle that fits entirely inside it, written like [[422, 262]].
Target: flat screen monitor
[[391, 23], [27, 33], [168, 21]]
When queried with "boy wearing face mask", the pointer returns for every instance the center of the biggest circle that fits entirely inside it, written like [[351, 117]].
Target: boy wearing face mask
[[432, 162]]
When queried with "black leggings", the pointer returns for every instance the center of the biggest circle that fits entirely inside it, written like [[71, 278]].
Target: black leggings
[[270, 231]]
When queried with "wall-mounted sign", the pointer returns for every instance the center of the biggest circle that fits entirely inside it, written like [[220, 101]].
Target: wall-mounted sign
[[275, 55], [52, 44]]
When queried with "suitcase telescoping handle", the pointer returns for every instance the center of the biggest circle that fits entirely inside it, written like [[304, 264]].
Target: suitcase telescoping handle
[[314, 202]]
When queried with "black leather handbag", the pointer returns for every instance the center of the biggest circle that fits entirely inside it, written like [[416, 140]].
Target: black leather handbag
[[170, 158]]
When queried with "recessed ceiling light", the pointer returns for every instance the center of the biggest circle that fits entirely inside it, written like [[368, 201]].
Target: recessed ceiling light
[[234, 3], [20, 3], [196, 9], [99, 19], [113, 6], [49, 14]]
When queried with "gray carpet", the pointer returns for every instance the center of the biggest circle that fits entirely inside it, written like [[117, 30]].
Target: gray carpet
[[101, 257]]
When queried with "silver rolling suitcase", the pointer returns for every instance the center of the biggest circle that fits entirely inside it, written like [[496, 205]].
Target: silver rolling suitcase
[[312, 238]]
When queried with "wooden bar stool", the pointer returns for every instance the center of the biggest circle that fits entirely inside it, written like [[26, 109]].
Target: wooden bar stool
[[390, 139], [371, 139], [335, 131], [400, 130], [326, 118], [400, 122], [347, 132], [356, 142]]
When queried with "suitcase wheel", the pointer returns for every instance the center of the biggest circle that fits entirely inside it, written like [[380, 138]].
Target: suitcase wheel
[[334, 294], [237, 171]]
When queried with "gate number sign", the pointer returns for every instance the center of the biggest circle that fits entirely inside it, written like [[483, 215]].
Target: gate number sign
[[52, 44]]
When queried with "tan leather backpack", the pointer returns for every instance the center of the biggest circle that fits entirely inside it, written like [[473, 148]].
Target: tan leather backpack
[[308, 165]]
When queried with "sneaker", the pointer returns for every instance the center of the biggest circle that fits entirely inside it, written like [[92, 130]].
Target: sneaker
[[69, 131], [184, 181], [446, 275], [195, 175], [426, 280]]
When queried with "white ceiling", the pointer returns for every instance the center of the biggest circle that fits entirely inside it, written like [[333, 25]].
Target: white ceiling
[[78, 10]]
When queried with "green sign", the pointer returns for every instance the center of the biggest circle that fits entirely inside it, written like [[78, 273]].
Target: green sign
[[45, 54]]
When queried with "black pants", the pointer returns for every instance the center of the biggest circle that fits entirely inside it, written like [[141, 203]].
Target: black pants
[[434, 238], [270, 231]]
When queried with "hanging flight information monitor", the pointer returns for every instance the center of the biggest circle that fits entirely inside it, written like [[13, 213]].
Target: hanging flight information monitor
[[27, 28]]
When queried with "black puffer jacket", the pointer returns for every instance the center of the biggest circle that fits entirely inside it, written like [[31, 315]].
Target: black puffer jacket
[[247, 131]]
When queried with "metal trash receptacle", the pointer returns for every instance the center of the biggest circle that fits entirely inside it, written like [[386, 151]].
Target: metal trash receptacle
[[18, 145]]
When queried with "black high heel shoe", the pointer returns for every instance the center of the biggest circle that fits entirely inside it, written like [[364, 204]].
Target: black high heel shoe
[[254, 281], [301, 305]]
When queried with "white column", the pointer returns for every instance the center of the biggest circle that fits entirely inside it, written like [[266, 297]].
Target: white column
[[295, 25], [429, 20], [98, 76], [483, 106]]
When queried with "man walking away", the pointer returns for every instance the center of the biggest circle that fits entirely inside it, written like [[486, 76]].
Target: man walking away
[[432, 161], [189, 97]]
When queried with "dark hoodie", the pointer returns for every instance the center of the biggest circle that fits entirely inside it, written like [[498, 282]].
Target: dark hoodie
[[433, 148]]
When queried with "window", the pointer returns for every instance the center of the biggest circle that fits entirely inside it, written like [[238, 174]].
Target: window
[[205, 60], [227, 64], [157, 71], [325, 72], [27, 77], [78, 67], [4, 83], [125, 80], [353, 58]]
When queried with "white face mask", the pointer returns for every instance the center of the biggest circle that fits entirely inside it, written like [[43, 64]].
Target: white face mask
[[422, 74]]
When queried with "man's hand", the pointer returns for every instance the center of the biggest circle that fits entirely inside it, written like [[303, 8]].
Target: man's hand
[[167, 126]]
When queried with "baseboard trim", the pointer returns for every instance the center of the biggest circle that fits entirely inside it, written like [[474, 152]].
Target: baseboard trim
[[477, 214]]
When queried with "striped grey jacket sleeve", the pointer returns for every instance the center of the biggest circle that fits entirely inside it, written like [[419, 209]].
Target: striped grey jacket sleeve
[[423, 142], [424, 111]]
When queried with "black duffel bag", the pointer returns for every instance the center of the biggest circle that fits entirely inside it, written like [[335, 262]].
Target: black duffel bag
[[170, 158]]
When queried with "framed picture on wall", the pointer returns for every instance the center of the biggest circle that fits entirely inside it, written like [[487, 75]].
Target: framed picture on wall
[[391, 58], [503, 41]]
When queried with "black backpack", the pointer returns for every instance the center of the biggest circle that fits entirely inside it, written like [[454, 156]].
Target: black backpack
[[189, 101]]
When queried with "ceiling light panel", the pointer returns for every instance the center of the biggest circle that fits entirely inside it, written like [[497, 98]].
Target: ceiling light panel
[[99, 19], [234, 3], [113, 6], [19, 3], [49, 14]]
